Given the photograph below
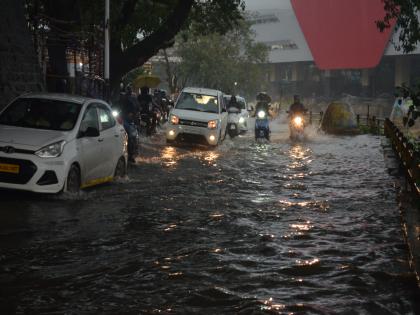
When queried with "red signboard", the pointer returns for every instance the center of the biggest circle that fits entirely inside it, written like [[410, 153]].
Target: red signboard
[[342, 34]]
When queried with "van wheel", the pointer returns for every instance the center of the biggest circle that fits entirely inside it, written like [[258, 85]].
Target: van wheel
[[73, 180], [121, 168]]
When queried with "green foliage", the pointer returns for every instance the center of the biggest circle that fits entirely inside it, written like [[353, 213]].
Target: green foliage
[[406, 14], [218, 61], [133, 24]]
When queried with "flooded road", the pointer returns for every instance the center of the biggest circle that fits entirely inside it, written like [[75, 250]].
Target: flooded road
[[278, 228]]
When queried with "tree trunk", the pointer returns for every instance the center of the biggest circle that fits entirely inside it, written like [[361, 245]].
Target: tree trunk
[[123, 61]]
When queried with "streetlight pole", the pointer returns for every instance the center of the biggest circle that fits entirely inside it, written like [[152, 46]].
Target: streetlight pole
[[106, 53]]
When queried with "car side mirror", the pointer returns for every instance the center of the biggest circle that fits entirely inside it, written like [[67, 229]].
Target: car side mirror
[[91, 132]]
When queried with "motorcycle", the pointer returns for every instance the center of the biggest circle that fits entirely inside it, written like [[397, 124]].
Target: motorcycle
[[297, 125], [233, 122], [262, 127], [150, 121]]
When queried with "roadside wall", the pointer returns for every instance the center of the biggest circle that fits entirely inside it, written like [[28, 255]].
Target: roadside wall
[[19, 70]]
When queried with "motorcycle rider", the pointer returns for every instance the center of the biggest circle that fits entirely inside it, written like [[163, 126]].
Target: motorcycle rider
[[296, 121], [148, 109], [233, 103], [263, 103], [297, 107], [129, 112]]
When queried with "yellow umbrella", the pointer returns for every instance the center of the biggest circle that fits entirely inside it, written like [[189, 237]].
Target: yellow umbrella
[[147, 80]]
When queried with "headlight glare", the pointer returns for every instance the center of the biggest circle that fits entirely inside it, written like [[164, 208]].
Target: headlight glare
[[51, 151], [241, 120], [298, 121], [174, 120], [212, 124], [261, 114]]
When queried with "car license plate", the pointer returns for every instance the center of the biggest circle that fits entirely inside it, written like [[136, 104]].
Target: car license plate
[[9, 168]]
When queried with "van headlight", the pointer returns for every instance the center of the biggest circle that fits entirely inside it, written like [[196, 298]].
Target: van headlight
[[51, 151], [261, 114], [174, 120], [212, 124]]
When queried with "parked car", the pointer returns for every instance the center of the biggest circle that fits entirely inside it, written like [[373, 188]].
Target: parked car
[[199, 116], [238, 117], [55, 142]]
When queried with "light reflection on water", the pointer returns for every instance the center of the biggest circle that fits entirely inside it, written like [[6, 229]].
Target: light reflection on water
[[273, 228]]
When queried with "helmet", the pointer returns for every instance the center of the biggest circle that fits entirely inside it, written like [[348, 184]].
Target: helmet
[[263, 97]]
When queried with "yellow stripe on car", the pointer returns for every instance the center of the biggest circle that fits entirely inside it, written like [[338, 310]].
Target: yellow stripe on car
[[98, 181]]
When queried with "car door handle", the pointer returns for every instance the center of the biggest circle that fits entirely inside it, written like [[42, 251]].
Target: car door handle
[[100, 139]]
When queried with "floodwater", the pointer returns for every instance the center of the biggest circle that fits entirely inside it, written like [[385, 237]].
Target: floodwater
[[273, 228]]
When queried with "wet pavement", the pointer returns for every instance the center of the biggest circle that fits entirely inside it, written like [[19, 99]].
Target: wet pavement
[[274, 228]]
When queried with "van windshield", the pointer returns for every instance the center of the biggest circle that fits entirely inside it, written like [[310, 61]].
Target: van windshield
[[198, 102]]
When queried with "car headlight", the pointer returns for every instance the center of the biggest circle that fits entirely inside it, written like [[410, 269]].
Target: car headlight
[[115, 113], [52, 150], [174, 120], [212, 124], [298, 121], [241, 120], [261, 114]]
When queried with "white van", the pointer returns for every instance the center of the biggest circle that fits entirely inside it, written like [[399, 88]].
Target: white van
[[199, 116]]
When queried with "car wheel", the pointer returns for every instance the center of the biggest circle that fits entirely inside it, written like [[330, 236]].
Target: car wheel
[[73, 180], [121, 168]]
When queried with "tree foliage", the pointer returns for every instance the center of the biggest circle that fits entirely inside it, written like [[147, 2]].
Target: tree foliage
[[139, 28], [218, 61], [405, 13]]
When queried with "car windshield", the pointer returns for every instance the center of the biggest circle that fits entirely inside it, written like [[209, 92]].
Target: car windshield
[[198, 102], [41, 113]]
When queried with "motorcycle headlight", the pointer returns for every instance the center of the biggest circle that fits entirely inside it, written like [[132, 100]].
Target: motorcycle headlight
[[261, 114], [174, 120], [115, 113], [212, 124], [241, 120], [298, 121], [52, 150]]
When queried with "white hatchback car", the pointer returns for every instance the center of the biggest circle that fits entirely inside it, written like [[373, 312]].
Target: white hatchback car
[[55, 142], [199, 116]]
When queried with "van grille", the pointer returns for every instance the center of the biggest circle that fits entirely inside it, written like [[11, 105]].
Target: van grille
[[193, 123]]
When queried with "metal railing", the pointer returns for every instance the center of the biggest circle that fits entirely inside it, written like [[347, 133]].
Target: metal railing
[[407, 154]]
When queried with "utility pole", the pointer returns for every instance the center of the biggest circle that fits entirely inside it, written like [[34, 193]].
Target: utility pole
[[106, 72]]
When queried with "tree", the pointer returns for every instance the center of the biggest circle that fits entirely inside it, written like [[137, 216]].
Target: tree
[[139, 28], [218, 61], [405, 12]]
